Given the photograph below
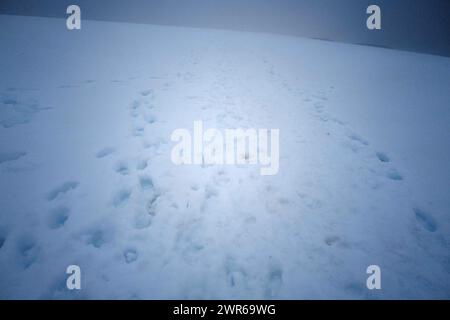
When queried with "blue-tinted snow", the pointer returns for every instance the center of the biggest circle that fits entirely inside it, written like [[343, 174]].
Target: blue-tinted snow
[[86, 176]]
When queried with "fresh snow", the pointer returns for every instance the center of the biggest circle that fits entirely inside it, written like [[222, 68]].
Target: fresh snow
[[86, 176]]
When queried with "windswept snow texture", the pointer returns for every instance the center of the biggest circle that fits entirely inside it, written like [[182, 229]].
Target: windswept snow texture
[[86, 176]]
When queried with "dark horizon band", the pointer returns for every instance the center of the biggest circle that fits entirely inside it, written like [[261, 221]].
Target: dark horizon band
[[419, 26]]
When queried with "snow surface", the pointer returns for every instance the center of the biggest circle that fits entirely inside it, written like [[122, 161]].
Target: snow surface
[[86, 176]]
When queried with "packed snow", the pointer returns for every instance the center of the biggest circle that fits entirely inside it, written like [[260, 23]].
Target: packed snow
[[86, 177]]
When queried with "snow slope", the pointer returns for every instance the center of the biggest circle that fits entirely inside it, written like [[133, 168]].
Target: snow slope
[[86, 176]]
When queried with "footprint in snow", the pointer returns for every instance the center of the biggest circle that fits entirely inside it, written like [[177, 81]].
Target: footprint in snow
[[235, 274], [331, 240], [138, 131], [61, 190], [394, 175], [58, 217], [145, 93], [355, 137], [28, 251], [151, 204], [142, 164], [96, 238], [122, 168], [130, 255], [142, 220], [121, 197], [274, 280], [150, 118], [16, 110], [425, 219], [105, 152], [145, 182], [2, 236], [382, 157], [11, 156]]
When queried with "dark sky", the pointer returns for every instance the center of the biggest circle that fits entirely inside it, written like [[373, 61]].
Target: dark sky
[[416, 25]]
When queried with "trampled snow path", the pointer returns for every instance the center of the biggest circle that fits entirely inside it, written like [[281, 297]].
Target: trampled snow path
[[86, 175]]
